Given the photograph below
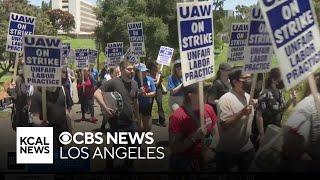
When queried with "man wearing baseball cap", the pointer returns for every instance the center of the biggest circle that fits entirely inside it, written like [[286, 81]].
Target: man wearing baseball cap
[[236, 115]]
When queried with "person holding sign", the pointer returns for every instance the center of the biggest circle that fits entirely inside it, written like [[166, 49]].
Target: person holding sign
[[23, 93], [87, 89], [301, 146], [271, 103], [148, 91], [58, 102], [236, 116], [174, 86], [185, 133]]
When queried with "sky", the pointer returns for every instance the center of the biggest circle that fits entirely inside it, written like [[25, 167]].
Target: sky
[[228, 5]]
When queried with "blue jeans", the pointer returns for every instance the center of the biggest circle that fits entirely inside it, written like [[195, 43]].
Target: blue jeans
[[226, 161]]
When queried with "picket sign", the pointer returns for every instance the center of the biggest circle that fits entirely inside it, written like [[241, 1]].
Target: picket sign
[[301, 15], [19, 25], [195, 24]]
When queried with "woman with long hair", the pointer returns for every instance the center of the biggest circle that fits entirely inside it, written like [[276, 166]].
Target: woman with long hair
[[174, 86]]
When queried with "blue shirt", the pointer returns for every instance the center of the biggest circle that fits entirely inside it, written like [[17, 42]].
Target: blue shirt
[[174, 82], [94, 73], [149, 86]]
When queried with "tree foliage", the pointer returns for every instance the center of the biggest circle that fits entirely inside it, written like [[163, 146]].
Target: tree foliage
[[159, 19], [61, 20]]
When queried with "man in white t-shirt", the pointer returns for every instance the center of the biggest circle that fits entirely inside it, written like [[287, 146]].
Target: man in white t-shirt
[[235, 119]]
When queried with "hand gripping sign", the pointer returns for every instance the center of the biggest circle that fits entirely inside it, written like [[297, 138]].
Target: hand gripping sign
[[42, 56], [19, 26], [258, 52], [82, 58], [136, 39], [295, 37], [114, 52], [165, 55], [238, 42], [195, 29]]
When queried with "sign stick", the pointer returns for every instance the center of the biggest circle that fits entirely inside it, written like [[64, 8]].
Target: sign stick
[[44, 103], [15, 70], [201, 106], [314, 91], [253, 87], [158, 78], [201, 101]]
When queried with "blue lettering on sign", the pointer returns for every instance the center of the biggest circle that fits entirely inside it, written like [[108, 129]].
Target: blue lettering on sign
[[42, 56], [196, 34], [289, 20], [135, 26], [24, 19], [45, 42], [20, 29], [195, 11], [137, 32], [259, 35]]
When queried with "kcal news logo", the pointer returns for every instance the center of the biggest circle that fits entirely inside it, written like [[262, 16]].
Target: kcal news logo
[[34, 145]]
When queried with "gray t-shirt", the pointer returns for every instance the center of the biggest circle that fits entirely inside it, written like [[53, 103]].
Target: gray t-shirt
[[236, 138], [129, 93]]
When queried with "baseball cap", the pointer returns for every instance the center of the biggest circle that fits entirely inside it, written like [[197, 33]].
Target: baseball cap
[[141, 67], [225, 66], [236, 74]]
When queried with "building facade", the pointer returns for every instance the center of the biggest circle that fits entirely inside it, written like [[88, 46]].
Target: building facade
[[83, 12]]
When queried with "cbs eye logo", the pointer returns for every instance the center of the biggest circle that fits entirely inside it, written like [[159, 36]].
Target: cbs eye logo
[[65, 138]]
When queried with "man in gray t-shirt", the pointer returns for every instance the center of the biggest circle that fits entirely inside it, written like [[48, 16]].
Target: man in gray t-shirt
[[235, 120]]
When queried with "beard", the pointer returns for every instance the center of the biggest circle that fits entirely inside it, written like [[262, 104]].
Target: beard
[[129, 75]]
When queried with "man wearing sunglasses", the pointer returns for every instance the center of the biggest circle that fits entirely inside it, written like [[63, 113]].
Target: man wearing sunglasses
[[236, 114]]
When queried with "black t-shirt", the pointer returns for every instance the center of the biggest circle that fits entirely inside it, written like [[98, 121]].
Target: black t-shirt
[[129, 93], [271, 104], [218, 89], [56, 114]]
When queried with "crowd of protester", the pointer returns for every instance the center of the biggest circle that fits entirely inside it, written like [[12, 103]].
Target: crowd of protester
[[234, 127]]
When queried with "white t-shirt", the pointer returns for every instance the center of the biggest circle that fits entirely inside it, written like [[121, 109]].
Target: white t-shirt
[[302, 116], [234, 139]]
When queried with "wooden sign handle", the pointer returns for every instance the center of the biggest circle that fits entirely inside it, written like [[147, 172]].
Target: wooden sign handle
[[44, 103]]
